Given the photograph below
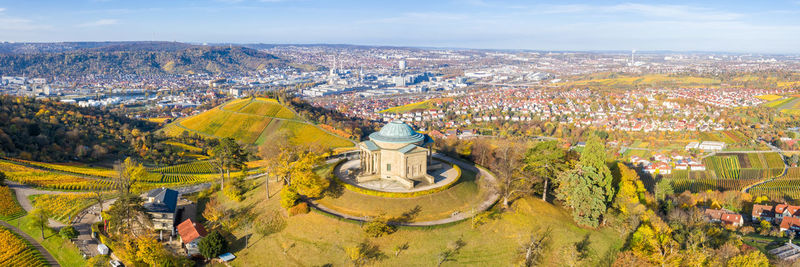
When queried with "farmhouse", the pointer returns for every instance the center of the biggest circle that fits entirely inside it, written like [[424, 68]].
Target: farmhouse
[[723, 216], [161, 205], [397, 153]]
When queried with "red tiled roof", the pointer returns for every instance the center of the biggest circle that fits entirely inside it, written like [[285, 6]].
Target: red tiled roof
[[731, 218], [788, 222], [189, 231]]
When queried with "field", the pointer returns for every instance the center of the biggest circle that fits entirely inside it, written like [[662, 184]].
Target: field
[[9, 208], [769, 97], [315, 239], [422, 105], [624, 81], [17, 251], [63, 206], [254, 121]]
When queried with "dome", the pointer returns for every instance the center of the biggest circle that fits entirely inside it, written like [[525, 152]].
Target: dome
[[397, 132]]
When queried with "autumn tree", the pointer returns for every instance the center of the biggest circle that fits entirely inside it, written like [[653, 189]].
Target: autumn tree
[[39, 218], [507, 164], [227, 155]]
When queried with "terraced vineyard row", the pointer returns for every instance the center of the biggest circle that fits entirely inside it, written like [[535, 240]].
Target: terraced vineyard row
[[16, 251], [51, 180], [696, 181], [76, 169], [195, 167], [785, 186], [725, 172], [63, 206], [9, 208]]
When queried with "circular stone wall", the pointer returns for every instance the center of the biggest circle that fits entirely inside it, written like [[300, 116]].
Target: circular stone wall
[[347, 172]]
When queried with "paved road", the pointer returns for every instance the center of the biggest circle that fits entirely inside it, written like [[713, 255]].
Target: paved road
[[486, 204], [46, 254]]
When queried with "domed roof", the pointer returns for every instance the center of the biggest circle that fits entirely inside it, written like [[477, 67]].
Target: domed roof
[[397, 132]]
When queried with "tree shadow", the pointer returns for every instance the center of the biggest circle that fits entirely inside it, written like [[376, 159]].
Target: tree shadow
[[408, 216]]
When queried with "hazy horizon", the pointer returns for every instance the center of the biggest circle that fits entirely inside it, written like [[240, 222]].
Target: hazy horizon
[[682, 26]]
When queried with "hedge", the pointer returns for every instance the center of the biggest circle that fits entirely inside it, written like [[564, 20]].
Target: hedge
[[376, 193]]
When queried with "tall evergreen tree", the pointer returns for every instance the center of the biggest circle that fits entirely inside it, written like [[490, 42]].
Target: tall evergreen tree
[[594, 155], [580, 191]]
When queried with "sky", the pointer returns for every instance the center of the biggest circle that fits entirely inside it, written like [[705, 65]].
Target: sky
[[722, 26]]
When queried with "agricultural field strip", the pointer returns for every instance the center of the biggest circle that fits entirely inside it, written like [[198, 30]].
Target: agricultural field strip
[[38, 167]]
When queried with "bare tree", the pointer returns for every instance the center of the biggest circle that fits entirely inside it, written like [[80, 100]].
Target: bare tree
[[533, 248]]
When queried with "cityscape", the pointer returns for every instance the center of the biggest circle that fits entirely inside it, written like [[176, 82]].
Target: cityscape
[[452, 133]]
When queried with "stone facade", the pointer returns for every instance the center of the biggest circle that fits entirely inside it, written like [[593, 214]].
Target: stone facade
[[398, 153]]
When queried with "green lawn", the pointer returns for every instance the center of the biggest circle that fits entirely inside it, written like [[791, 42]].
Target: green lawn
[[66, 253]]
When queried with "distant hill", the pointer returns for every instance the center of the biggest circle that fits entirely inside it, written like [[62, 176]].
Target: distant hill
[[255, 121], [142, 58]]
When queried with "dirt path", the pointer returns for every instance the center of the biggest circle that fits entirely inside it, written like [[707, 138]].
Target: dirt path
[[46, 254]]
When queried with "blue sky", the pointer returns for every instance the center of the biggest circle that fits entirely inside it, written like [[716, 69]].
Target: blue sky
[[732, 26]]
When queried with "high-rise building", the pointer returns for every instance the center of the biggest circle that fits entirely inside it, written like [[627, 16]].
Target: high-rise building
[[402, 64]]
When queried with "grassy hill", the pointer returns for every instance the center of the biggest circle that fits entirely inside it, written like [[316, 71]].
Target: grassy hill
[[315, 239], [254, 121]]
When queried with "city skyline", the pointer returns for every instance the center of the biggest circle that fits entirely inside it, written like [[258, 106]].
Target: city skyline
[[576, 25]]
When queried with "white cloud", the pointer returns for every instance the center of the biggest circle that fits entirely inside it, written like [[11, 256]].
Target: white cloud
[[98, 23], [2, 9]]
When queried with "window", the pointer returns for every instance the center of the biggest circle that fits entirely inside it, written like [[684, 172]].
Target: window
[[388, 167]]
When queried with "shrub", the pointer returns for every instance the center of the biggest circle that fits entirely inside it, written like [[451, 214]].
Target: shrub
[[212, 245], [378, 227], [301, 208], [288, 198], [68, 232]]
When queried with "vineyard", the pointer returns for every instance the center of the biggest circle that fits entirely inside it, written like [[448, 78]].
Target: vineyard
[[18, 252], [9, 208], [729, 172], [51, 180], [76, 169], [785, 186], [195, 167], [63, 206], [724, 167]]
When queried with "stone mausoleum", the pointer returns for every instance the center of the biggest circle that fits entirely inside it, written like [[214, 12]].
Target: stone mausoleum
[[397, 153]]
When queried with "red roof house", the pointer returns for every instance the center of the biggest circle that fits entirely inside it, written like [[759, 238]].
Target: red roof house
[[190, 231]]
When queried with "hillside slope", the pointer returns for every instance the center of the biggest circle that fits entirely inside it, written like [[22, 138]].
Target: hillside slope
[[254, 121], [140, 59]]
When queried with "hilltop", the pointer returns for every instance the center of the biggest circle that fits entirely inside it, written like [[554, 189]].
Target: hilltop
[[254, 121], [141, 58]]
